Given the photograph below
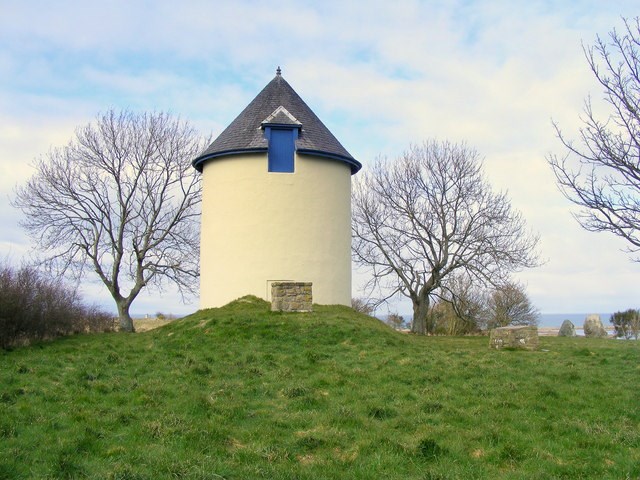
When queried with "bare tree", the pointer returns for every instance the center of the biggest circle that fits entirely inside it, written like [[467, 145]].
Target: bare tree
[[429, 214], [122, 200], [601, 172], [461, 307], [447, 322], [509, 304]]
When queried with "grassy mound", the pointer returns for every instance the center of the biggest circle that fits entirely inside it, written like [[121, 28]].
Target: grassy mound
[[242, 393]]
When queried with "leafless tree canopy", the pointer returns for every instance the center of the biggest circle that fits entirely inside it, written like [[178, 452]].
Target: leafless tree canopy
[[601, 171], [465, 300], [510, 305], [468, 308], [122, 200], [428, 214]]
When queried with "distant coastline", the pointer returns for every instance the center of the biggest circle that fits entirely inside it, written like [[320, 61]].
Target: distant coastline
[[549, 323]]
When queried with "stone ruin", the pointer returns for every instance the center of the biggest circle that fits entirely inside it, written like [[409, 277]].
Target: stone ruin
[[517, 337], [567, 329], [593, 327], [291, 297]]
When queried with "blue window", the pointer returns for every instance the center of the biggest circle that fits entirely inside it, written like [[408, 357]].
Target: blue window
[[281, 148]]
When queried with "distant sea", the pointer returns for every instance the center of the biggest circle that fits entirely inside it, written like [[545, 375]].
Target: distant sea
[[554, 320]]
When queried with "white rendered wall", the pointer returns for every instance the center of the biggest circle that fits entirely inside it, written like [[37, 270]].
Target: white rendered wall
[[259, 227]]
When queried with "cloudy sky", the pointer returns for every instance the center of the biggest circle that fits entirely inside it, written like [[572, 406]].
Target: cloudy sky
[[381, 75]]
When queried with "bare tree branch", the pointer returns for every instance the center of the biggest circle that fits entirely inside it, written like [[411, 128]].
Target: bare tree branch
[[601, 173]]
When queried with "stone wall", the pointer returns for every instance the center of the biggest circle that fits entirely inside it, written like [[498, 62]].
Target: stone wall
[[291, 297], [521, 337]]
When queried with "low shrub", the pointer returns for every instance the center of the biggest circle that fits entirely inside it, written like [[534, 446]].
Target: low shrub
[[627, 323], [444, 320], [35, 307], [362, 305]]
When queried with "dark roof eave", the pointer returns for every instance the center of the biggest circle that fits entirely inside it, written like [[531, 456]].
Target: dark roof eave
[[198, 162], [352, 162]]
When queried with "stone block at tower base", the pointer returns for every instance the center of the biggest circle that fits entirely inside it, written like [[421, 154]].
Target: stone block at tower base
[[291, 297]]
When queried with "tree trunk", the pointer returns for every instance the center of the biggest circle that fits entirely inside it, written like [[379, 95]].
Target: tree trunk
[[420, 313], [126, 322]]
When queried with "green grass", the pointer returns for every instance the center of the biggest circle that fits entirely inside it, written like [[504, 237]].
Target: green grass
[[243, 393]]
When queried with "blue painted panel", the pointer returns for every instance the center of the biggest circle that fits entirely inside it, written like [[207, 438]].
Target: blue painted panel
[[281, 149]]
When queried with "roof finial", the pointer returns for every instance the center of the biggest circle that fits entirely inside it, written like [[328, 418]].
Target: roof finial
[[278, 71]]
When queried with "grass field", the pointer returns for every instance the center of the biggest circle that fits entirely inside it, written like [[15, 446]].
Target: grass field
[[243, 393]]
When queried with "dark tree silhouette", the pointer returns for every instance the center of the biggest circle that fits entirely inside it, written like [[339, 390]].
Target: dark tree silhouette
[[510, 305], [627, 323], [121, 200], [431, 214]]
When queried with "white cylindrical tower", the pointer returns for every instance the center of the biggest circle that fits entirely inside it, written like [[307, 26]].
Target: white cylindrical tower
[[276, 203]]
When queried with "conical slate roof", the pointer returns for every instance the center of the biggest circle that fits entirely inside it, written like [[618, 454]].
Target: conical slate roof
[[277, 104]]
